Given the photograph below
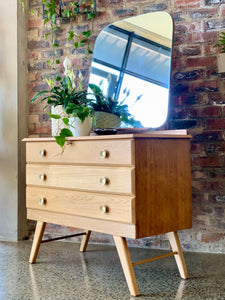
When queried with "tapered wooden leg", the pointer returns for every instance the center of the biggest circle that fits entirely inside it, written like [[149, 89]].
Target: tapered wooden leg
[[40, 228], [124, 255], [176, 247], [84, 241]]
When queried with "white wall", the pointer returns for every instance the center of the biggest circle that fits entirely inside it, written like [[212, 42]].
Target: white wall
[[12, 217]]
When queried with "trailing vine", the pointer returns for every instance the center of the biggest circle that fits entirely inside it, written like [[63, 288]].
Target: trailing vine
[[54, 11]]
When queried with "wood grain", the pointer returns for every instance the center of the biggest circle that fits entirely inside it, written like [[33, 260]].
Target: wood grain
[[39, 230], [82, 152], [84, 241], [119, 208], [119, 180], [179, 257], [115, 228], [163, 186], [124, 255]]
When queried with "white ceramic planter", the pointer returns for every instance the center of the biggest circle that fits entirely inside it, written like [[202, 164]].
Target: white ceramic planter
[[77, 128], [80, 129], [57, 125]]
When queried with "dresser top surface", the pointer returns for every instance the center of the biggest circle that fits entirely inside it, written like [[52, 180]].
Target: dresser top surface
[[173, 134]]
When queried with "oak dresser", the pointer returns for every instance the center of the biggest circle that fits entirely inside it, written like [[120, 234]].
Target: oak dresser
[[126, 185]]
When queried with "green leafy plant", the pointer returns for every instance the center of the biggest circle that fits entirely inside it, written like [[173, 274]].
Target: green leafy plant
[[116, 107], [63, 91]]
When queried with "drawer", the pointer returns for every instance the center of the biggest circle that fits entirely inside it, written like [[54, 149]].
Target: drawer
[[88, 178], [112, 208], [82, 152]]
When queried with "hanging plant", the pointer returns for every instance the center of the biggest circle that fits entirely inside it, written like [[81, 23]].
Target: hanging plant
[[54, 11]]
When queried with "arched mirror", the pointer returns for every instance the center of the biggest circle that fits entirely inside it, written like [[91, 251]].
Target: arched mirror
[[132, 57]]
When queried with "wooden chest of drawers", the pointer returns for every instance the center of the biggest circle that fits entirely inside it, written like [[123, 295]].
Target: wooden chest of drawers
[[133, 185]]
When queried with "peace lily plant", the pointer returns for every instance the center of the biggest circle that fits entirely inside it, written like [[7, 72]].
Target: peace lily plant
[[68, 92]]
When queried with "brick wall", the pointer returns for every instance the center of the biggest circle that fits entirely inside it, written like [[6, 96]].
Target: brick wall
[[197, 103]]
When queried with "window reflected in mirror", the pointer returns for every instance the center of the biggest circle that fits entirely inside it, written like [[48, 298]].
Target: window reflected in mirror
[[132, 61]]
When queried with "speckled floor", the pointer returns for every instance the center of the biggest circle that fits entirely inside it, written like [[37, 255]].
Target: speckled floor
[[62, 272]]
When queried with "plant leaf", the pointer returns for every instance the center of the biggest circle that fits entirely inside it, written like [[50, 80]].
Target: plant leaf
[[66, 132], [66, 121], [53, 116], [58, 78], [91, 16], [60, 140], [86, 33]]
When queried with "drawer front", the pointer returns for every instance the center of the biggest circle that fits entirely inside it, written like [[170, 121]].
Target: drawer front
[[82, 152], [112, 208], [88, 178]]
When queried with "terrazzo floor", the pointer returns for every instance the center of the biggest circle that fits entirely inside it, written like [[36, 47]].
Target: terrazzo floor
[[62, 272]]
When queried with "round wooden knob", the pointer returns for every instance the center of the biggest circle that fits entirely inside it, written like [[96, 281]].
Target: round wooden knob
[[103, 181], [42, 152], [42, 201], [103, 209], [103, 153], [42, 177]]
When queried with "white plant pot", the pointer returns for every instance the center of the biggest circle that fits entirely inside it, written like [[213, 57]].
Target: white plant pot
[[77, 128], [57, 125], [80, 129], [221, 62]]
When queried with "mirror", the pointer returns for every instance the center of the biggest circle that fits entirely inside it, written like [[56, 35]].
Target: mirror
[[132, 57]]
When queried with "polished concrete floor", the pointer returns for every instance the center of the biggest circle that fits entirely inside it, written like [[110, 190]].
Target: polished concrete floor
[[62, 272]]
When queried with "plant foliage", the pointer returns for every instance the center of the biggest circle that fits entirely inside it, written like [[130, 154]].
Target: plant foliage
[[116, 107]]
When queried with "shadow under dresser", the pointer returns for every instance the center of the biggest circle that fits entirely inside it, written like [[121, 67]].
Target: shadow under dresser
[[126, 185]]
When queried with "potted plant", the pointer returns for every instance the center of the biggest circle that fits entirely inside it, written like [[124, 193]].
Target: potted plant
[[109, 112], [69, 103], [221, 56]]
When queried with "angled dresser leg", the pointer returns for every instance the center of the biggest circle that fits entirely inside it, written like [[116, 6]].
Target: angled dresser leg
[[84, 241], [179, 257], [124, 255], [40, 228]]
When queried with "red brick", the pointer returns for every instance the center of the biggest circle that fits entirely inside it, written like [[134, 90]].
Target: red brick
[[203, 112], [187, 3], [217, 161], [197, 185], [35, 23], [198, 175], [203, 37], [204, 61], [204, 84], [215, 124], [197, 148], [210, 237], [43, 128]]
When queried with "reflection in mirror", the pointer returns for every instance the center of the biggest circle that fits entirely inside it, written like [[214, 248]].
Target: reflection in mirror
[[133, 57]]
